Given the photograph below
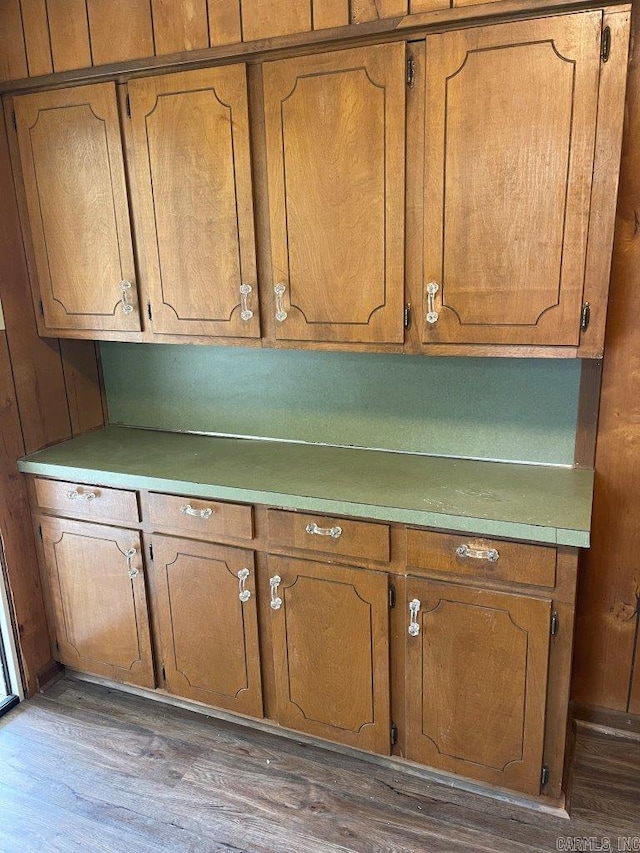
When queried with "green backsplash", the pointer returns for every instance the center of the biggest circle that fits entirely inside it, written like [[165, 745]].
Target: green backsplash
[[512, 409]]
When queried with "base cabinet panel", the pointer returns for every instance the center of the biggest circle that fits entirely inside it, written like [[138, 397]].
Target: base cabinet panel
[[98, 600], [208, 623], [330, 630], [476, 682]]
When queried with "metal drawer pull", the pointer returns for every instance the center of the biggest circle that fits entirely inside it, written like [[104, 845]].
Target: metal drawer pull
[[414, 609], [432, 314], [489, 554], [75, 495], [187, 509], [333, 532], [244, 595], [245, 312], [125, 287], [281, 314], [130, 554], [274, 583]]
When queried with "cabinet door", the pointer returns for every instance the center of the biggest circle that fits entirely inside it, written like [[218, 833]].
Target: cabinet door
[[208, 623], [476, 682], [191, 147], [510, 124], [71, 154], [99, 603], [330, 629], [335, 128]]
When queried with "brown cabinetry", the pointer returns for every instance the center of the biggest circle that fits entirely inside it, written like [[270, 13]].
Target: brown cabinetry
[[476, 682], [330, 629], [97, 599]]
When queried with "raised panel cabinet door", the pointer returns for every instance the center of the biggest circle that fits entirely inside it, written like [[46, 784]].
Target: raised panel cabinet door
[[96, 578], [191, 148], [330, 630], [206, 604], [73, 168], [509, 141], [477, 682], [335, 129]]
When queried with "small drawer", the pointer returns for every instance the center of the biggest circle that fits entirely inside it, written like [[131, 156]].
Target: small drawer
[[94, 503], [202, 518], [461, 554], [346, 537]]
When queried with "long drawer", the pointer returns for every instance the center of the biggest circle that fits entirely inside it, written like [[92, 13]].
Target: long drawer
[[92, 503], [461, 554], [344, 537], [200, 517]]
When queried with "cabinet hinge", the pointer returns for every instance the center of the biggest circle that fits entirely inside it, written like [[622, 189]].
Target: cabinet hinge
[[394, 734], [15, 123], [392, 595], [128, 106], [411, 72], [605, 44], [555, 624], [545, 775], [407, 315], [41, 308], [40, 531], [149, 311], [151, 551], [585, 317]]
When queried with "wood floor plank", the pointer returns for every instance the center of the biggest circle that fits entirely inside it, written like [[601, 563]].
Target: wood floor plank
[[84, 767]]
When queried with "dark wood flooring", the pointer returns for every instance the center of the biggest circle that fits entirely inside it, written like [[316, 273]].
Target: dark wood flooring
[[89, 769]]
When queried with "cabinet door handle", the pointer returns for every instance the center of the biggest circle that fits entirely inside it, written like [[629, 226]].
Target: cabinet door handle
[[75, 495], [244, 594], [245, 312], [414, 609], [129, 555], [333, 532], [274, 583], [281, 314], [125, 288], [432, 314], [489, 554], [187, 509]]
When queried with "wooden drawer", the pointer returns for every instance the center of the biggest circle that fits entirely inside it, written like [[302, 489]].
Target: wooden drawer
[[201, 518], [76, 500], [461, 554], [361, 540]]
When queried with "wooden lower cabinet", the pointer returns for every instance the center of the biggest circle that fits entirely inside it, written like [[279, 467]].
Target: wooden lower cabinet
[[476, 682], [208, 623], [330, 631], [98, 603]]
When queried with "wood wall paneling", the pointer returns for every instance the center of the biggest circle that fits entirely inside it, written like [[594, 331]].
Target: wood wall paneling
[[330, 13], [13, 57], [69, 32], [607, 614], [416, 6], [36, 36], [180, 25], [225, 26], [373, 10], [268, 18], [120, 30]]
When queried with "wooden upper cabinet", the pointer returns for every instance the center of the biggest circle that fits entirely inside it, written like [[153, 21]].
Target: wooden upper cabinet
[[335, 130], [330, 630], [194, 202], [510, 128], [73, 168], [97, 599], [206, 606], [476, 682]]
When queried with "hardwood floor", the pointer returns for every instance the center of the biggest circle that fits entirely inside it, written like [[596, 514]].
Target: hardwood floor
[[86, 768]]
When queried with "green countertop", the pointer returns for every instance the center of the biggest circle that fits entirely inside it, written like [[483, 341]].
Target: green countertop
[[535, 503]]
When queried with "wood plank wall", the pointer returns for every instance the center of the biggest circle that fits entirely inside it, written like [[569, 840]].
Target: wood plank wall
[[41, 36], [607, 646]]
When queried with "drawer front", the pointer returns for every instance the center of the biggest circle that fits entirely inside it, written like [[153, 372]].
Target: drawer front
[[344, 537], [201, 518], [461, 554], [96, 503]]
